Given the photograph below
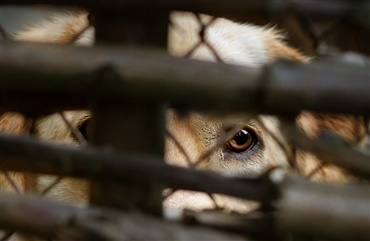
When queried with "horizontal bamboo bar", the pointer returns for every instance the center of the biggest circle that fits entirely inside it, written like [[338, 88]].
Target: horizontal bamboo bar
[[54, 220], [322, 210], [65, 77], [18, 152]]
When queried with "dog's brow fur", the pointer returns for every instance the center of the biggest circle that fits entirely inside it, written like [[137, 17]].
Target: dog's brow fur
[[242, 44]]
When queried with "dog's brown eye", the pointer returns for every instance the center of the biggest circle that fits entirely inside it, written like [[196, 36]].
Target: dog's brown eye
[[244, 140]]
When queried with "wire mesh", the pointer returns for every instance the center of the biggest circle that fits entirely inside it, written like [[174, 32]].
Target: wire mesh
[[317, 37]]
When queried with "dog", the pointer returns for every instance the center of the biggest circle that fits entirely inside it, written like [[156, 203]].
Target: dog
[[256, 147]]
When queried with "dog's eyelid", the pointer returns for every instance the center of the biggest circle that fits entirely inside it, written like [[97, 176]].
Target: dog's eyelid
[[250, 126]]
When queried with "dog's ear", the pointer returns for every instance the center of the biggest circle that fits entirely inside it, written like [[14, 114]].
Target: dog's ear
[[284, 52], [14, 123], [278, 49]]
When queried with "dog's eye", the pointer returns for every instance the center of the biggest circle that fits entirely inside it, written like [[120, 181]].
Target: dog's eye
[[242, 141], [83, 128]]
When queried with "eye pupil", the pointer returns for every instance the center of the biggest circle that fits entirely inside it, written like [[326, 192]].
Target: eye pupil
[[241, 137]]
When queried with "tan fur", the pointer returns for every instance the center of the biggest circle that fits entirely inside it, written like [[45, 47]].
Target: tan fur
[[350, 128], [235, 43], [16, 124]]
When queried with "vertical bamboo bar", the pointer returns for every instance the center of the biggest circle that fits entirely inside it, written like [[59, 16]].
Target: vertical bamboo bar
[[135, 126]]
